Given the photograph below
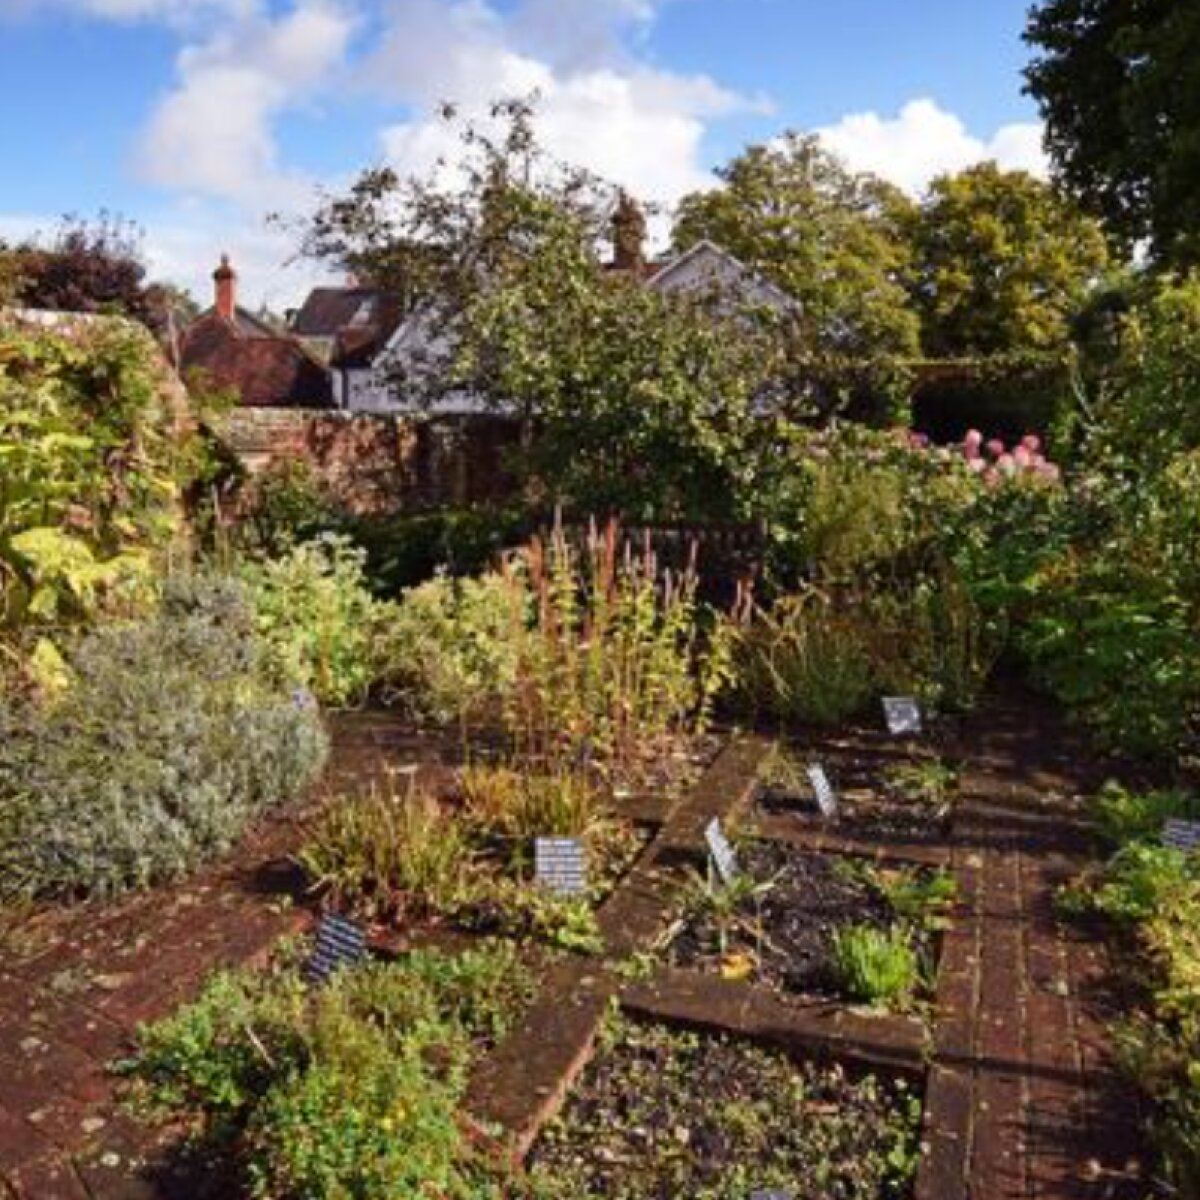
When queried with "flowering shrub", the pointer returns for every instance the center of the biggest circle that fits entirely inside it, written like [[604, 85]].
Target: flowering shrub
[[993, 462]]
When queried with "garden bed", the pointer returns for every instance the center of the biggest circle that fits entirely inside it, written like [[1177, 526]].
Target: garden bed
[[662, 1113], [881, 796], [797, 921]]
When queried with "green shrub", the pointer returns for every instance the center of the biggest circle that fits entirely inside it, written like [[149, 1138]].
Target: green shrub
[[166, 743], [1121, 816], [320, 626], [450, 645], [875, 965], [353, 1090], [802, 660]]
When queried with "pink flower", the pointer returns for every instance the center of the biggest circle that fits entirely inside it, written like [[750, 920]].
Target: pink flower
[[977, 464], [973, 440], [995, 447], [1032, 442], [1022, 457], [1006, 464]]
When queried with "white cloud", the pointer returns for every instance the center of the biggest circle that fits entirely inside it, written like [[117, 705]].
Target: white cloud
[[214, 133], [924, 140], [599, 107]]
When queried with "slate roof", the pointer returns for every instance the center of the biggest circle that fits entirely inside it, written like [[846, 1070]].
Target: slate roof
[[356, 321]]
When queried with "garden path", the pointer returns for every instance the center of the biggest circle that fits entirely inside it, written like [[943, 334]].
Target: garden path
[[1024, 1100]]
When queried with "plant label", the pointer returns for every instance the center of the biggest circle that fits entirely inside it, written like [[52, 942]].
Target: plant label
[[1181, 835], [826, 797], [339, 943], [721, 851], [561, 865], [903, 715]]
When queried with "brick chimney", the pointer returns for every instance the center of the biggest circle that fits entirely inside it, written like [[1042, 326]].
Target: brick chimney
[[225, 278], [629, 235]]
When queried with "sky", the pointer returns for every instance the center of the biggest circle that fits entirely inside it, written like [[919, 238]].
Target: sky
[[198, 118]]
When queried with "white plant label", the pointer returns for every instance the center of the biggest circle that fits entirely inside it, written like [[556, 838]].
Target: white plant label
[[721, 851], [827, 799]]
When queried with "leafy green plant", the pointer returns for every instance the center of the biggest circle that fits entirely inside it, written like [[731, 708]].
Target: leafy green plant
[[920, 898], [928, 782], [449, 645], [878, 966], [1121, 815], [353, 1090], [94, 455], [166, 742], [321, 627]]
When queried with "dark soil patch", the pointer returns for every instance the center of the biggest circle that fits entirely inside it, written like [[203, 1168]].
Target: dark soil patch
[[783, 932], [661, 1114], [875, 802]]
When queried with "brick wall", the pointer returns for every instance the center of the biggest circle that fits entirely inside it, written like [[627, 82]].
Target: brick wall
[[373, 463]]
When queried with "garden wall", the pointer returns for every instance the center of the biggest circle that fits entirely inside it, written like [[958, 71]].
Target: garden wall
[[377, 463]]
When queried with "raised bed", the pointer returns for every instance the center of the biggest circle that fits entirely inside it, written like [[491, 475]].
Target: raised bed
[[663, 1112]]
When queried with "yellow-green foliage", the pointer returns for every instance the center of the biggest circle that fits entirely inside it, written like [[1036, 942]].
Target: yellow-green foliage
[[91, 456]]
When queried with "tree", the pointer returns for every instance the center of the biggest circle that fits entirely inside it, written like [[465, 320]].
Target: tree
[[640, 403], [90, 268], [1118, 82], [1002, 263], [832, 239]]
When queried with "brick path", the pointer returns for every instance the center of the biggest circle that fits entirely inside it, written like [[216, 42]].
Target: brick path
[[1023, 1100]]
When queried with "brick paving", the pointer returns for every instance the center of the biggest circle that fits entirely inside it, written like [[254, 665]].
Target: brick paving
[[1023, 1099]]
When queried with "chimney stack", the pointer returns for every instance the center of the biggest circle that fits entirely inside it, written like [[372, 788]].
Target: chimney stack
[[225, 278], [629, 235]]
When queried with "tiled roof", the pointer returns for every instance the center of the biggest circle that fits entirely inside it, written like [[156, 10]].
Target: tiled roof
[[266, 370], [360, 320]]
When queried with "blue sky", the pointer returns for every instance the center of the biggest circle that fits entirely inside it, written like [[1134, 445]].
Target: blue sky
[[197, 117]]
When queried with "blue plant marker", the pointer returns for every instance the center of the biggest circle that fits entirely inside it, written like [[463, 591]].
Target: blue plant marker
[[339, 943], [1181, 835]]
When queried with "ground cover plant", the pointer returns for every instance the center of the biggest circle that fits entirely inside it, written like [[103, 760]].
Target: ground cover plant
[[662, 1113], [164, 740], [1148, 894], [810, 924], [350, 1089]]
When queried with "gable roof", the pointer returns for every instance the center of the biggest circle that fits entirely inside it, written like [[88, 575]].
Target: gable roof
[[672, 276], [265, 369]]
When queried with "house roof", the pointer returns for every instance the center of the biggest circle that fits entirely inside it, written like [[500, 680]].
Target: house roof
[[265, 369], [672, 276], [357, 321]]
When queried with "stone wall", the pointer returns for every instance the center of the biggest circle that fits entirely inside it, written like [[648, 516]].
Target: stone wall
[[376, 463]]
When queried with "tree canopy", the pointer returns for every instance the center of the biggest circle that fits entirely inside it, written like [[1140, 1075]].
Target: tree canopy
[[1002, 263], [90, 267], [641, 402], [831, 238], [1118, 82]]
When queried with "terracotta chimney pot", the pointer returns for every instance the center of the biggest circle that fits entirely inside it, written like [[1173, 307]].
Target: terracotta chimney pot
[[225, 278]]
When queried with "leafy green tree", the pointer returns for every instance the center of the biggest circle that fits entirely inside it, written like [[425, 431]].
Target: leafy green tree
[[832, 239], [638, 402], [1118, 82], [1002, 263]]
